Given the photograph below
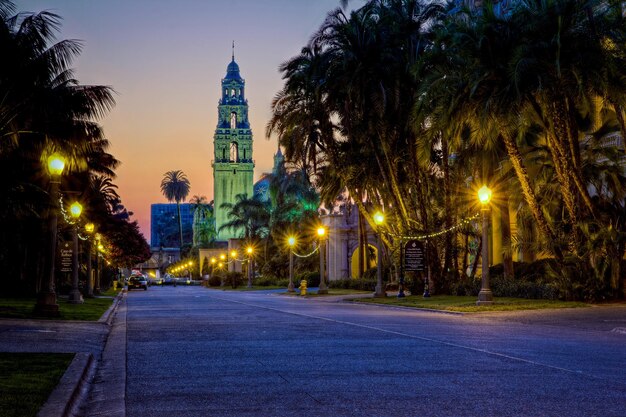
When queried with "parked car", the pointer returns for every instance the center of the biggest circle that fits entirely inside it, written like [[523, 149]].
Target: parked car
[[137, 281], [155, 281]]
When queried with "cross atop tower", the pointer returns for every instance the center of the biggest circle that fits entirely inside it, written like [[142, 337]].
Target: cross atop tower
[[233, 50]]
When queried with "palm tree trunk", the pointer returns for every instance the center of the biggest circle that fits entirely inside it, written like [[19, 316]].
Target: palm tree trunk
[[180, 228], [505, 227], [529, 194]]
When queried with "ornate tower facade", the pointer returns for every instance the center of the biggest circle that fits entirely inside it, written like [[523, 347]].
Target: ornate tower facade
[[233, 166]]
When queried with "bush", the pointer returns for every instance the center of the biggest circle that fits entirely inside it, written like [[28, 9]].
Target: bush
[[215, 280], [312, 279], [354, 284], [233, 278]]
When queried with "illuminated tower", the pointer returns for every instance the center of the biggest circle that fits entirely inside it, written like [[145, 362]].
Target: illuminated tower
[[233, 166]]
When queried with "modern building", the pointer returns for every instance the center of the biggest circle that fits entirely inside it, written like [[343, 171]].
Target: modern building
[[164, 225], [233, 166]]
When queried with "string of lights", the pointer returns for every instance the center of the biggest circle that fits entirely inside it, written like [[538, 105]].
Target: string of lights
[[462, 223], [307, 255]]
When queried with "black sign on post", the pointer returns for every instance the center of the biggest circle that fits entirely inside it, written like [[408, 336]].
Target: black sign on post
[[66, 258], [414, 256]]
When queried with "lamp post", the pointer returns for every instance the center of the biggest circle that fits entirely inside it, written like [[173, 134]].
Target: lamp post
[[291, 241], [485, 296], [189, 264], [47, 300], [89, 228], [379, 219], [75, 296], [99, 249], [321, 233], [249, 251]]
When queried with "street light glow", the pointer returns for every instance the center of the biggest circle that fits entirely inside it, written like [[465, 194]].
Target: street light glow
[[484, 194], [379, 218], [233, 254], [222, 256], [56, 164], [75, 209], [291, 241], [321, 231], [249, 250]]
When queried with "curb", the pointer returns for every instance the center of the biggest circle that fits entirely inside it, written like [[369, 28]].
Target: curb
[[107, 317], [71, 389]]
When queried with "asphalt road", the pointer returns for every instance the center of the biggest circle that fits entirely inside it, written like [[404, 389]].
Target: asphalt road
[[192, 351]]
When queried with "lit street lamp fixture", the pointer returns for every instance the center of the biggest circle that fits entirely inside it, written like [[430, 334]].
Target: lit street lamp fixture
[[249, 251], [99, 249], [89, 228], [47, 299], [291, 241], [485, 296], [75, 296], [379, 219], [321, 233]]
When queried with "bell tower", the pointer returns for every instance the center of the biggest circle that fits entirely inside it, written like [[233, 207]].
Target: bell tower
[[233, 167]]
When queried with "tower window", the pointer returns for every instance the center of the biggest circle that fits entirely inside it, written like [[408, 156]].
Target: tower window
[[244, 154], [234, 152], [233, 120], [223, 153], [232, 92]]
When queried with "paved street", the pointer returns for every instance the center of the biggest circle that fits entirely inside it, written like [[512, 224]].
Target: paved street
[[198, 352]]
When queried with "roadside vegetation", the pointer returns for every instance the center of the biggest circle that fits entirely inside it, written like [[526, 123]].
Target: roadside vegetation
[[46, 111], [28, 379], [467, 304], [91, 310]]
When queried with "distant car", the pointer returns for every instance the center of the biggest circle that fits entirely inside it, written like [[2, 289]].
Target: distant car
[[137, 281], [155, 281]]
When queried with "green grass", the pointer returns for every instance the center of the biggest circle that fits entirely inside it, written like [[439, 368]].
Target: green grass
[[27, 379], [23, 308], [467, 304], [245, 288], [331, 292]]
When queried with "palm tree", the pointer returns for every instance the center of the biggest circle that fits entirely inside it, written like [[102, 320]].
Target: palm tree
[[175, 187], [43, 109], [203, 221]]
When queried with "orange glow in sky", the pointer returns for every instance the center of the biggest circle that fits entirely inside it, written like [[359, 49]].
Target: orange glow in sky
[[165, 61]]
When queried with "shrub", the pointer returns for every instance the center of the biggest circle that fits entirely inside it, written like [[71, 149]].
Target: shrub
[[312, 279], [215, 280], [233, 278]]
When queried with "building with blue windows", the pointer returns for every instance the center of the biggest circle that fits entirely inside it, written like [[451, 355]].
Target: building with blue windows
[[164, 225]]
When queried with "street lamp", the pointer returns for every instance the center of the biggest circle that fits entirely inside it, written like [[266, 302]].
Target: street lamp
[[75, 296], [99, 249], [249, 251], [485, 296], [379, 219], [291, 241], [321, 233], [189, 264], [89, 229], [47, 300]]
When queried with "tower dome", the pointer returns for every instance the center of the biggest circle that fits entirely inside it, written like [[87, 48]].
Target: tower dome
[[232, 71]]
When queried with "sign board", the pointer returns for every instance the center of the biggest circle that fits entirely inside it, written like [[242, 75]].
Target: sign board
[[414, 256], [66, 258]]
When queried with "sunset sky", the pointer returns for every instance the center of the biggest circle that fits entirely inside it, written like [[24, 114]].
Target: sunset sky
[[165, 61]]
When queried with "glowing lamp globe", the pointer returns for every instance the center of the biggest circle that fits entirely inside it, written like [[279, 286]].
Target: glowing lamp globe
[[379, 218], [75, 209], [291, 241], [233, 254], [484, 194], [249, 250], [56, 164], [321, 231]]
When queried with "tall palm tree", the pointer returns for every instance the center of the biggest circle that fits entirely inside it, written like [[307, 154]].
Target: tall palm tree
[[203, 221], [175, 187]]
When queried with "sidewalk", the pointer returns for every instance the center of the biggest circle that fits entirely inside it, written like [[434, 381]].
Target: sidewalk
[[86, 339]]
